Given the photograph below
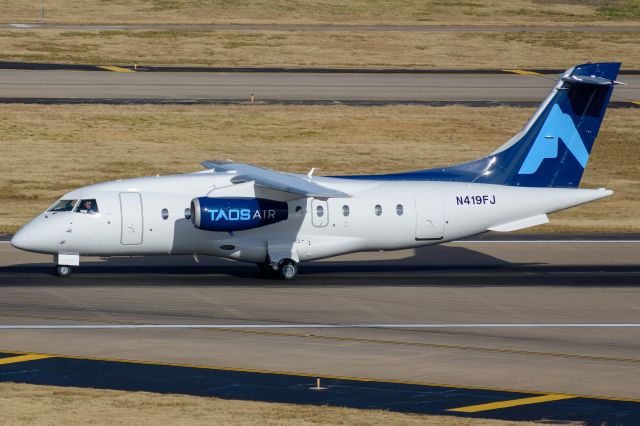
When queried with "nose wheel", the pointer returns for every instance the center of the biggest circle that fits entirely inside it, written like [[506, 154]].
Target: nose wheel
[[63, 270]]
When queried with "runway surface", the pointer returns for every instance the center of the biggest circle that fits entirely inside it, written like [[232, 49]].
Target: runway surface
[[527, 307], [325, 87], [323, 27]]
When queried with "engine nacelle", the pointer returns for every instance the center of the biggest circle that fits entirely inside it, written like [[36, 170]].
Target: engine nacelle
[[237, 213]]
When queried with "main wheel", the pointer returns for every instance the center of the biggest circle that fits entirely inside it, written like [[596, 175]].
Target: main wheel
[[63, 270], [288, 269]]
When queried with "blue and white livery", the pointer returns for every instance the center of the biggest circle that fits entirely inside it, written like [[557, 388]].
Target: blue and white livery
[[277, 220]]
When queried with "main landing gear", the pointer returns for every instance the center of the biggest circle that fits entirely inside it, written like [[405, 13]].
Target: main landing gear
[[63, 270], [287, 269]]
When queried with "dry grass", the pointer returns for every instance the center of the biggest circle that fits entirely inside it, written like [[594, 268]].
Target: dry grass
[[48, 150], [47, 405], [322, 49], [526, 12]]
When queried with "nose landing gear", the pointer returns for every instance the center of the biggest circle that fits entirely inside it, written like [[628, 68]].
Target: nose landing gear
[[63, 270], [64, 262]]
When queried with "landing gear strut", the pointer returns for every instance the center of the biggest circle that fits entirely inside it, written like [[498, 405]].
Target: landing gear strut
[[63, 270], [264, 268]]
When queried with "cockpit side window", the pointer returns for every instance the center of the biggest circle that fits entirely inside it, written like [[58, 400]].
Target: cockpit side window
[[63, 206], [88, 206]]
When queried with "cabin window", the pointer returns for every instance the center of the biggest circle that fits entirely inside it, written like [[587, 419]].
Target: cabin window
[[399, 210], [187, 213], [320, 211], [63, 206], [345, 210], [89, 206], [165, 214], [378, 210]]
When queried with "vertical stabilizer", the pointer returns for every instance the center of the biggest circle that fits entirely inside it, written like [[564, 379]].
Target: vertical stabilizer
[[553, 148]]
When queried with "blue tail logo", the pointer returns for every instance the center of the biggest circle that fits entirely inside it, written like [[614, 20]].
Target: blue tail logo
[[558, 127], [553, 148]]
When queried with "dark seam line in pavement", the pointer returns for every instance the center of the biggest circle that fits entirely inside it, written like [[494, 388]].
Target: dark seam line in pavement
[[436, 345], [301, 70], [310, 375], [346, 102]]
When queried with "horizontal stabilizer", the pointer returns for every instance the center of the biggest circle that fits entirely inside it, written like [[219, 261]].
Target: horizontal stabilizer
[[540, 219], [286, 182]]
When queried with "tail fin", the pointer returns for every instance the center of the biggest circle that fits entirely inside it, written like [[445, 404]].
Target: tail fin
[[553, 148]]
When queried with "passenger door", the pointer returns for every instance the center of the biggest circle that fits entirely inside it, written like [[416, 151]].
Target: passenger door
[[132, 223], [429, 218]]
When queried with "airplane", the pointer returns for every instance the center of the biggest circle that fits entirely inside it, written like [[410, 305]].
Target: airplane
[[277, 220]]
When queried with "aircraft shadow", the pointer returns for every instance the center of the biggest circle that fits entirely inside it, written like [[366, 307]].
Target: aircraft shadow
[[434, 265]]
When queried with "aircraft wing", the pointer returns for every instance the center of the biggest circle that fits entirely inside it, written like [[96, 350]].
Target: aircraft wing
[[279, 181]]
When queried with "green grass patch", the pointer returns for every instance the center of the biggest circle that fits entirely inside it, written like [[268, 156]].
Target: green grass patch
[[620, 10]]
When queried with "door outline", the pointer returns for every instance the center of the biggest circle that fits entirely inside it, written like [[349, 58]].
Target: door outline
[[431, 211], [124, 226], [319, 222]]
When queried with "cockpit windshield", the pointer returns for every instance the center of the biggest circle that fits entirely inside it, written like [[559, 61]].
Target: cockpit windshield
[[87, 206], [63, 206]]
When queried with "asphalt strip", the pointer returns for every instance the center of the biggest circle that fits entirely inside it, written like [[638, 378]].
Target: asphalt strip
[[312, 389], [294, 70], [347, 102]]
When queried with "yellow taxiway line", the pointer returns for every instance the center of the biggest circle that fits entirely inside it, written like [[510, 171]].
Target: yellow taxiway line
[[524, 72], [115, 69], [23, 358], [510, 403]]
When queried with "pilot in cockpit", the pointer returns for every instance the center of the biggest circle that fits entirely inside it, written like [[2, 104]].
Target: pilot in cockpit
[[88, 206]]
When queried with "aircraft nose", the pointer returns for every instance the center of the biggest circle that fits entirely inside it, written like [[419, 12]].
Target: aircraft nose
[[25, 238], [21, 239]]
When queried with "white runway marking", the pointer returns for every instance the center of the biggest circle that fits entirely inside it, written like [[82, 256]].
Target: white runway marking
[[248, 326], [21, 25]]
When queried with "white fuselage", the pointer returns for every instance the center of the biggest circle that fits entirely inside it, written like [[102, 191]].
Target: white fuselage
[[411, 214]]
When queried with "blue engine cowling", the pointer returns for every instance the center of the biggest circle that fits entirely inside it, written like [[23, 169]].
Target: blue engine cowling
[[237, 213]]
